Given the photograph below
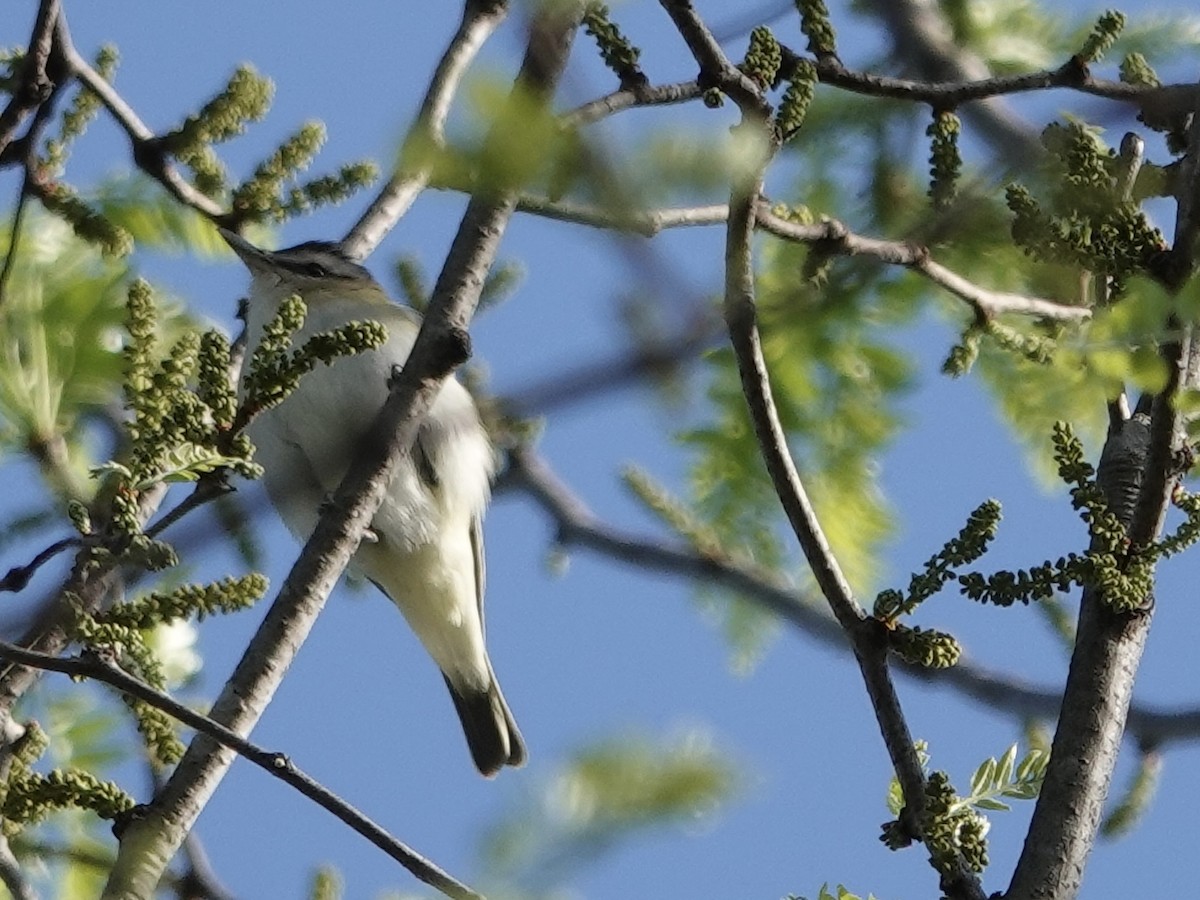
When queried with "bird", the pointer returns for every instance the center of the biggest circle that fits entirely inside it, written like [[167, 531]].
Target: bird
[[424, 549]]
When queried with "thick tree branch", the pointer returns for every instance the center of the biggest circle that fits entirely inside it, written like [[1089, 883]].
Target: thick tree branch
[[276, 764], [150, 842], [1108, 644], [11, 875], [635, 96], [426, 136]]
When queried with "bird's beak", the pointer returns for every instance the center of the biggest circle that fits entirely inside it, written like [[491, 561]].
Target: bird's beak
[[256, 260]]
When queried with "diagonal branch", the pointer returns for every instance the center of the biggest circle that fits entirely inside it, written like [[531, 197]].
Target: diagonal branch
[[147, 150], [921, 36], [867, 636], [149, 843], [576, 525], [277, 764]]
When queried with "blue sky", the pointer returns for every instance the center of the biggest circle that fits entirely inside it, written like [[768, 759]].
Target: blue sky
[[599, 649]]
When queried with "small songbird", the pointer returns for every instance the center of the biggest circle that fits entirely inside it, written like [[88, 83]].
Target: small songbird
[[425, 550]]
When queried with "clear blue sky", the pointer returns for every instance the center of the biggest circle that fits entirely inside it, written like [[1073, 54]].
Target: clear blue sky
[[601, 649]]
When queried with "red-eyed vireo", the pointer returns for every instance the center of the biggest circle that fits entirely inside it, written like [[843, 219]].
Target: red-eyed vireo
[[426, 547]]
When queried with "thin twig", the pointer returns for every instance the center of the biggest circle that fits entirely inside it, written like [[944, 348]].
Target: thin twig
[[18, 576], [277, 764], [208, 488], [867, 636], [426, 136], [831, 236]]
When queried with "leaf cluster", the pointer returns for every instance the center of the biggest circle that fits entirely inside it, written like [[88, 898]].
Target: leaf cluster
[[618, 53], [122, 633], [276, 366], [1123, 574], [27, 797], [1086, 220], [180, 430], [953, 828]]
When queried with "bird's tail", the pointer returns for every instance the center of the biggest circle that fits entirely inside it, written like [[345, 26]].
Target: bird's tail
[[488, 723]]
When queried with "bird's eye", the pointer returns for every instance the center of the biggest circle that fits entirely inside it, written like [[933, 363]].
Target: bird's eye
[[315, 270]]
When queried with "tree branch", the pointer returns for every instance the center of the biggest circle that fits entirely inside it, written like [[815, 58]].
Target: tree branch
[[920, 35], [426, 136], [575, 525], [35, 83], [1108, 644], [831, 236], [11, 875], [867, 636], [147, 152]]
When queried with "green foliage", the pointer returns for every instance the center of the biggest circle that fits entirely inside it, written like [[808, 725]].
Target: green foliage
[[244, 99], [518, 140], [155, 220], [32, 797], [925, 647], [1123, 575], [175, 435], [617, 52], [87, 222], [225, 596], [965, 548], [605, 794], [962, 355], [1105, 33], [124, 632], [501, 282], [815, 23], [129, 650], [326, 884], [763, 58], [28, 797], [681, 519], [1135, 70], [60, 364], [79, 114], [945, 163], [414, 285], [262, 196], [825, 894], [1007, 778], [793, 106], [1187, 533], [1087, 222], [953, 828], [275, 369]]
